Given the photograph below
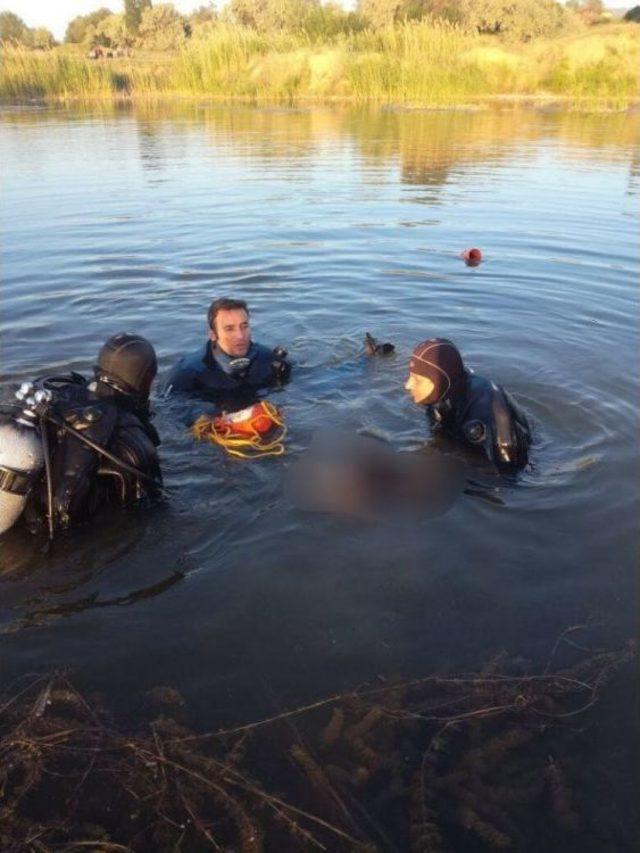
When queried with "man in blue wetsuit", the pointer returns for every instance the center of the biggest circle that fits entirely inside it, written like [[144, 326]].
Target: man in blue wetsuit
[[467, 407], [230, 368]]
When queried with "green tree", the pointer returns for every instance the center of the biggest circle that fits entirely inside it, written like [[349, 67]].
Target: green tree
[[270, 15], [633, 15], [13, 29], [42, 39], [329, 20], [162, 28], [133, 10], [384, 13], [77, 28], [522, 20], [110, 32]]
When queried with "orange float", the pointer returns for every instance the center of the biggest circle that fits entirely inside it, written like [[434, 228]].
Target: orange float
[[258, 430], [472, 257]]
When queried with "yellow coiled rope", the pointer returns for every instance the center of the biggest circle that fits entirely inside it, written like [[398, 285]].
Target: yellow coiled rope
[[251, 446]]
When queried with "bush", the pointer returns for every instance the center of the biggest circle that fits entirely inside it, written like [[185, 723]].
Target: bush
[[13, 29], [42, 39], [385, 13], [270, 15], [521, 20], [133, 10], [633, 15], [380, 13], [203, 15], [110, 32], [201, 22], [162, 28], [79, 27]]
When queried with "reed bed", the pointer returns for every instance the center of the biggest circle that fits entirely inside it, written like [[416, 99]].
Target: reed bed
[[420, 63]]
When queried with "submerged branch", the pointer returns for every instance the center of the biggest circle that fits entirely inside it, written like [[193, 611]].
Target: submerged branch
[[408, 765]]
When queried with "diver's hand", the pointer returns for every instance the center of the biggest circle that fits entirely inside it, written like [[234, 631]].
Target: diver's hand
[[372, 347], [280, 366]]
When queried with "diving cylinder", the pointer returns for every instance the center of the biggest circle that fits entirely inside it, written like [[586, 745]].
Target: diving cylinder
[[21, 456]]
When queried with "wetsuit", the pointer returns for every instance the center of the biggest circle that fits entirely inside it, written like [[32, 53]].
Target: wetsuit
[[484, 416], [213, 375], [82, 479]]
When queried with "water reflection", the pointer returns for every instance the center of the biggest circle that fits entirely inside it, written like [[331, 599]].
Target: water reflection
[[419, 140], [151, 135]]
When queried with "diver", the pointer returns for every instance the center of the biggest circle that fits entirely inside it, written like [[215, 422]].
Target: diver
[[75, 445], [231, 368], [467, 407]]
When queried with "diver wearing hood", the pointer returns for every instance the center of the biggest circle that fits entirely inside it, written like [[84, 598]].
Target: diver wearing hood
[[230, 368], [98, 444], [468, 407]]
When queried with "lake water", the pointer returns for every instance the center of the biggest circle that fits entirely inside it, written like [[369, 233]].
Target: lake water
[[331, 222]]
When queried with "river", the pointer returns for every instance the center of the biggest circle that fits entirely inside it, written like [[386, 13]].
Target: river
[[331, 221]]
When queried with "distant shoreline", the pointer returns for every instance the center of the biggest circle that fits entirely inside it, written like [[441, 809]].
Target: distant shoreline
[[539, 101], [423, 66]]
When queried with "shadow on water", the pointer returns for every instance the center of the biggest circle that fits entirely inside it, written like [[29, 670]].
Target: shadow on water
[[45, 580]]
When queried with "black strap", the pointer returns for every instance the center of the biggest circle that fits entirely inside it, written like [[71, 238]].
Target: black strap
[[14, 482], [120, 463]]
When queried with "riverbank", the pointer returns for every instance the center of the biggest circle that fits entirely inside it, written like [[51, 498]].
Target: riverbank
[[421, 64]]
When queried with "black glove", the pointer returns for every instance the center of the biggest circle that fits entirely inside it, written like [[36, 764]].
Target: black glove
[[281, 367]]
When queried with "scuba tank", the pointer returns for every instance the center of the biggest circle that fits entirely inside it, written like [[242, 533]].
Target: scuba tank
[[21, 455]]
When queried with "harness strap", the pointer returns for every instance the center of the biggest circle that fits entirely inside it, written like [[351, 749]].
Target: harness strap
[[14, 482]]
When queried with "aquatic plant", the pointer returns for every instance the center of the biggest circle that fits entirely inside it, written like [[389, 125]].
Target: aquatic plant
[[428, 62], [434, 763]]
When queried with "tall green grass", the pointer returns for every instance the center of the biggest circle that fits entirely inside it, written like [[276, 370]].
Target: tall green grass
[[427, 63]]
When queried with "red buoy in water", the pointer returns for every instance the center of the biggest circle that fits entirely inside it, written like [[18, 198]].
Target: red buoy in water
[[471, 257]]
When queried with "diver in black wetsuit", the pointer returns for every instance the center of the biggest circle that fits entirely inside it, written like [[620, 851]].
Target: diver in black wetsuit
[[468, 407], [111, 413], [230, 369]]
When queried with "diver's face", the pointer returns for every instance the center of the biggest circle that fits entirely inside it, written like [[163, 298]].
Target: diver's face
[[232, 332], [419, 387]]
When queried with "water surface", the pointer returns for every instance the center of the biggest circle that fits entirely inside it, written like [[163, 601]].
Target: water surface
[[330, 222]]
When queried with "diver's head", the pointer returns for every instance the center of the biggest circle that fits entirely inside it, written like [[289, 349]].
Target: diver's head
[[127, 364], [229, 327], [436, 372]]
